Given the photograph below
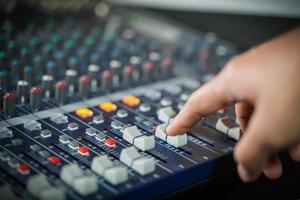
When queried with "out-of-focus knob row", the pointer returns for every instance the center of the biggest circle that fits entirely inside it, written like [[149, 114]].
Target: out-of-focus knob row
[[85, 85]]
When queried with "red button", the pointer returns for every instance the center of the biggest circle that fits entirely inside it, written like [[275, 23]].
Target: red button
[[84, 79], [23, 168], [36, 90], [9, 95], [128, 70], [106, 74], [110, 142], [83, 150], [54, 160], [61, 84]]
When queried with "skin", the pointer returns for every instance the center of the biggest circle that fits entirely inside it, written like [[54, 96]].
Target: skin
[[264, 84]]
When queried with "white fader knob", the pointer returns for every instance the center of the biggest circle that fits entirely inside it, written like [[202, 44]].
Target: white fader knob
[[135, 160], [176, 141], [133, 135], [103, 166], [226, 126], [165, 114]]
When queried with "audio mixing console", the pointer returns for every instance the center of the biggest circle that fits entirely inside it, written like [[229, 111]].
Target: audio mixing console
[[86, 100]]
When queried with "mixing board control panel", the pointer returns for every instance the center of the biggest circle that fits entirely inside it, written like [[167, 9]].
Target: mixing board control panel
[[85, 104]]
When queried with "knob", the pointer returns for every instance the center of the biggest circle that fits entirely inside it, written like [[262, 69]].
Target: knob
[[93, 72], [166, 68], [60, 92], [22, 90], [84, 86], [147, 71], [71, 76], [128, 75], [106, 80], [116, 68], [35, 98], [9, 100], [47, 85]]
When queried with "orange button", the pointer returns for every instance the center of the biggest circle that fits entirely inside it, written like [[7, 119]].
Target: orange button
[[110, 142], [131, 100], [84, 112], [108, 106], [83, 150]]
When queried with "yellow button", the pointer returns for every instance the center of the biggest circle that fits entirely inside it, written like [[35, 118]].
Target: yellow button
[[131, 100], [84, 112], [108, 106]]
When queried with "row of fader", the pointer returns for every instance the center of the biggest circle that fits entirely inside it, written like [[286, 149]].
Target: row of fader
[[133, 135]]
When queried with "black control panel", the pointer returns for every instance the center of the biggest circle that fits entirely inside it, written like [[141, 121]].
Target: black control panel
[[85, 101]]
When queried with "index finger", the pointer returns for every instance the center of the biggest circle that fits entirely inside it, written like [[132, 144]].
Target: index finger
[[208, 98]]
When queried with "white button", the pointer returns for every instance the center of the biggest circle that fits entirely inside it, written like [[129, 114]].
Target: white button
[[144, 165], [160, 132], [174, 89], [130, 133], [100, 137], [46, 133], [164, 114], [38, 186], [91, 131], [85, 185], [122, 113], [180, 106], [100, 164], [5, 133], [32, 125], [223, 124], [166, 102], [64, 139], [52, 193], [144, 142], [128, 155], [234, 133], [72, 126], [73, 145], [36, 183], [154, 95], [59, 118], [116, 175], [178, 140], [184, 96], [144, 107], [69, 172], [98, 119]]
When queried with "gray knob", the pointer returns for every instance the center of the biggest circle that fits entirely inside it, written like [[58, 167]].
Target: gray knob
[[9, 100], [60, 92], [94, 73], [35, 98], [128, 75], [106, 80], [136, 63], [84, 86], [116, 67], [147, 70], [166, 68], [22, 90], [71, 78], [47, 85]]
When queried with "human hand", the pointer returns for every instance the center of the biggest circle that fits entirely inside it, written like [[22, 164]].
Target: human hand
[[264, 84]]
